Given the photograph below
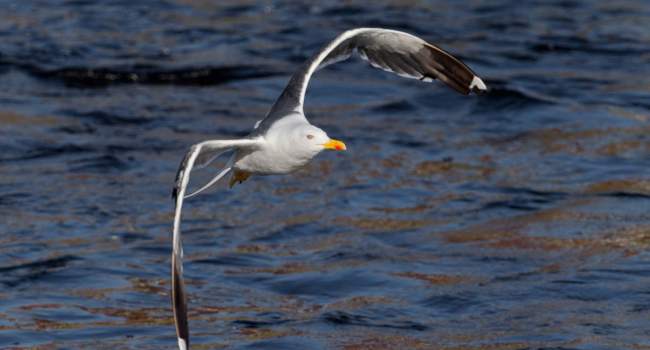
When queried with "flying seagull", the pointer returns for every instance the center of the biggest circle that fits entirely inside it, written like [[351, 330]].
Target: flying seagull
[[285, 141]]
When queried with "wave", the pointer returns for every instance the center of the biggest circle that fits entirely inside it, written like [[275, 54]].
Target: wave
[[80, 76]]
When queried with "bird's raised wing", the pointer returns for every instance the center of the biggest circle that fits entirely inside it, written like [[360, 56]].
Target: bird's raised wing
[[199, 153], [394, 51]]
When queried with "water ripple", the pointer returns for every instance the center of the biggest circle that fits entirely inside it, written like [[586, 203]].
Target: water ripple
[[517, 219]]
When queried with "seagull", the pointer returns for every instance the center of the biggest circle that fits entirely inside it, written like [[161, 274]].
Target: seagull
[[284, 141]]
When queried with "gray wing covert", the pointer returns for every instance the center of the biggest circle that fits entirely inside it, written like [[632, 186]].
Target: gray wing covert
[[394, 51]]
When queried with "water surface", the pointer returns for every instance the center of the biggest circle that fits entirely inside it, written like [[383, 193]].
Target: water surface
[[518, 219]]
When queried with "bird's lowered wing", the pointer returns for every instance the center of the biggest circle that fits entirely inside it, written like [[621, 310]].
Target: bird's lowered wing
[[199, 153]]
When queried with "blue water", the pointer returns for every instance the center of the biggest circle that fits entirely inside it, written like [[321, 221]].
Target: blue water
[[518, 219]]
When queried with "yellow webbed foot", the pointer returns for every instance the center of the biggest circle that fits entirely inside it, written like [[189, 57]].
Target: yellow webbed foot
[[238, 176]]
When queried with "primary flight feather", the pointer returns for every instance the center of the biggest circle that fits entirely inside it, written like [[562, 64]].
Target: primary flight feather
[[285, 141]]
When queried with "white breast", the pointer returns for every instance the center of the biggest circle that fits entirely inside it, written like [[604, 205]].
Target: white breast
[[284, 149], [268, 161]]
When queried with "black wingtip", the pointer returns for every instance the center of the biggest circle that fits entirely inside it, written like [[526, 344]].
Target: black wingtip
[[453, 72], [179, 301]]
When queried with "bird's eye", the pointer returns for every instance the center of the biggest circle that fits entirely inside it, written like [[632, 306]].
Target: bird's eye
[[310, 136]]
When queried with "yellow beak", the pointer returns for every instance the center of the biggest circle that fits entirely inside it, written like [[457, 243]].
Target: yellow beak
[[335, 145]]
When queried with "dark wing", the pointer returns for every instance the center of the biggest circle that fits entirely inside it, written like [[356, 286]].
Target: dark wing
[[199, 153], [394, 51]]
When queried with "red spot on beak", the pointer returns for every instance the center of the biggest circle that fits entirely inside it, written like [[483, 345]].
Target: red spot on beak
[[335, 145]]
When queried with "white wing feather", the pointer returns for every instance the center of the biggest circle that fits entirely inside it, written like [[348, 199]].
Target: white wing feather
[[179, 298]]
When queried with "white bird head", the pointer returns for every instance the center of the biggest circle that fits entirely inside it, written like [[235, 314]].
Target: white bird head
[[310, 140]]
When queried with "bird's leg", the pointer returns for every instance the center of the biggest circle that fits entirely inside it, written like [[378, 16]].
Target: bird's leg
[[238, 176]]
